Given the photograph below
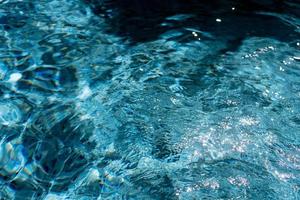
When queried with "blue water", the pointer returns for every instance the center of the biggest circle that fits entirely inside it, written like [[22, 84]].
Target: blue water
[[93, 108]]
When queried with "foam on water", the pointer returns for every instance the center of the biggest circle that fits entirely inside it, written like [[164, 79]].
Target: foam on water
[[86, 114]]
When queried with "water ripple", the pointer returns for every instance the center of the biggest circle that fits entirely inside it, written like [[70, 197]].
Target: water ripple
[[87, 114]]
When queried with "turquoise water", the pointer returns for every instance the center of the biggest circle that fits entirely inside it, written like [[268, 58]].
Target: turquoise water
[[196, 107]]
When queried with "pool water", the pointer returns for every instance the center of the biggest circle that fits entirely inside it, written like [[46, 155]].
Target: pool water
[[107, 100]]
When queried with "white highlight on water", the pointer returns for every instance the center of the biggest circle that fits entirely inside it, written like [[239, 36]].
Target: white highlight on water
[[86, 92], [14, 77]]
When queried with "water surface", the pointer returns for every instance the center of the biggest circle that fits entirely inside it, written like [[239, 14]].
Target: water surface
[[192, 102]]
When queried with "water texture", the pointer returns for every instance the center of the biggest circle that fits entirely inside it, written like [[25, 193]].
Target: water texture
[[97, 103]]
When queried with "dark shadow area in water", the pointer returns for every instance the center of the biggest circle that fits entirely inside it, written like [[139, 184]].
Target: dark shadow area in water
[[145, 20]]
